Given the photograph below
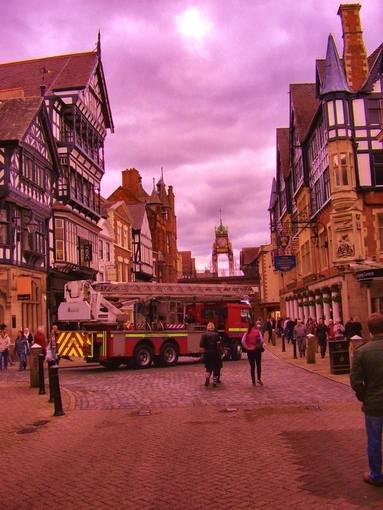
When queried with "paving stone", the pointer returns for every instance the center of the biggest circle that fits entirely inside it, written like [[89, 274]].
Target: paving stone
[[298, 442]]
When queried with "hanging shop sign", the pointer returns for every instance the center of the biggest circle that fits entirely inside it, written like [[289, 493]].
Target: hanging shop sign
[[284, 262]]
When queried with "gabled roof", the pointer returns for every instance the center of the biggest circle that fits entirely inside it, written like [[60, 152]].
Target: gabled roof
[[249, 255], [57, 73], [137, 213], [16, 116], [334, 79], [374, 55], [283, 150], [376, 67], [60, 72], [372, 61], [114, 205], [304, 104]]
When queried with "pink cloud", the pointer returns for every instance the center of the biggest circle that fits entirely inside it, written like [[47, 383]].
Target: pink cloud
[[204, 110]]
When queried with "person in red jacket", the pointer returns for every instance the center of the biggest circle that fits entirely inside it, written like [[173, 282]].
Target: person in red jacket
[[40, 338]]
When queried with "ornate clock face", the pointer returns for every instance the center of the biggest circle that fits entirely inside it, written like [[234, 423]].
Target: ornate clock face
[[221, 242]]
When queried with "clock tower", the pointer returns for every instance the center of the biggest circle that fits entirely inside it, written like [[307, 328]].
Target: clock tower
[[222, 245]]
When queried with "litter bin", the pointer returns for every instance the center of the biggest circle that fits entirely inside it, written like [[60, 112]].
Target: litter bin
[[339, 356]]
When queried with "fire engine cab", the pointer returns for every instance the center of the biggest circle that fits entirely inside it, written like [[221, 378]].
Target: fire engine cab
[[144, 323]]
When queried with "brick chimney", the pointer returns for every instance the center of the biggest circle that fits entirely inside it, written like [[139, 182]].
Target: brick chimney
[[131, 180], [354, 50]]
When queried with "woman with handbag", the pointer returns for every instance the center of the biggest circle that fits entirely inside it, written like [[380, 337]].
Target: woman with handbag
[[252, 341]]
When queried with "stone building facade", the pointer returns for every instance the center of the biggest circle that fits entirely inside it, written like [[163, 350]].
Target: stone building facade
[[160, 211], [326, 206]]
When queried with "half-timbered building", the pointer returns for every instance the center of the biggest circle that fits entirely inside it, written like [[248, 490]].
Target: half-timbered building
[[29, 168], [75, 94], [331, 216]]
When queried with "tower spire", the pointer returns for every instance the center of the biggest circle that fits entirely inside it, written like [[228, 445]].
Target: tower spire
[[334, 78]]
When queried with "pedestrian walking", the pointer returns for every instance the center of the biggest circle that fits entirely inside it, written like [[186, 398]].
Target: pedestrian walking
[[212, 349], [348, 328], [51, 351], [289, 330], [356, 328], [338, 329], [367, 382], [331, 331], [300, 337], [28, 335], [4, 346], [321, 334], [22, 350], [252, 341], [11, 351], [269, 329], [40, 339]]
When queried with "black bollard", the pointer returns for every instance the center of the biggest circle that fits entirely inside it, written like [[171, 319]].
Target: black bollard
[[56, 391], [41, 375], [295, 348], [50, 364], [283, 343]]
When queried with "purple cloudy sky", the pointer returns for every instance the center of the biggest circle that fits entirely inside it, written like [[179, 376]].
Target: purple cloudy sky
[[196, 86]]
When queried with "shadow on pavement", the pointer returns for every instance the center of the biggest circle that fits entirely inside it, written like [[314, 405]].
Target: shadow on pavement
[[324, 458]]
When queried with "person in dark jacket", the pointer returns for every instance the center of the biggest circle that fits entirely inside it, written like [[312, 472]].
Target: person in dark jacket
[[289, 330], [356, 328], [321, 334], [22, 350], [348, 328], [367, 382], [212, 349]]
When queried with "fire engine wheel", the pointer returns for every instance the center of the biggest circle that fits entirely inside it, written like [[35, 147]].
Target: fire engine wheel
[[143, 356], [168, 355], [236, 351]]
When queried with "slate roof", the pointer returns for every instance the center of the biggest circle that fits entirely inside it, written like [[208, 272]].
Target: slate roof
[[334, 79], [305, 104], [321, 63], [249, 255], [283, 148], [154, 198], [60, 72], [137, 213], [16, 115]]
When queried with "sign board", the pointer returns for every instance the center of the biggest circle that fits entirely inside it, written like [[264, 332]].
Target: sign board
[[369, 274], [284, 262], [24, 288]]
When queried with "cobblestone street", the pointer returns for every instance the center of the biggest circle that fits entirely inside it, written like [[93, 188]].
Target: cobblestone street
[[158, 439]]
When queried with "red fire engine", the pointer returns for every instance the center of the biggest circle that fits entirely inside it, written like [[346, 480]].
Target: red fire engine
[[166, 320]]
